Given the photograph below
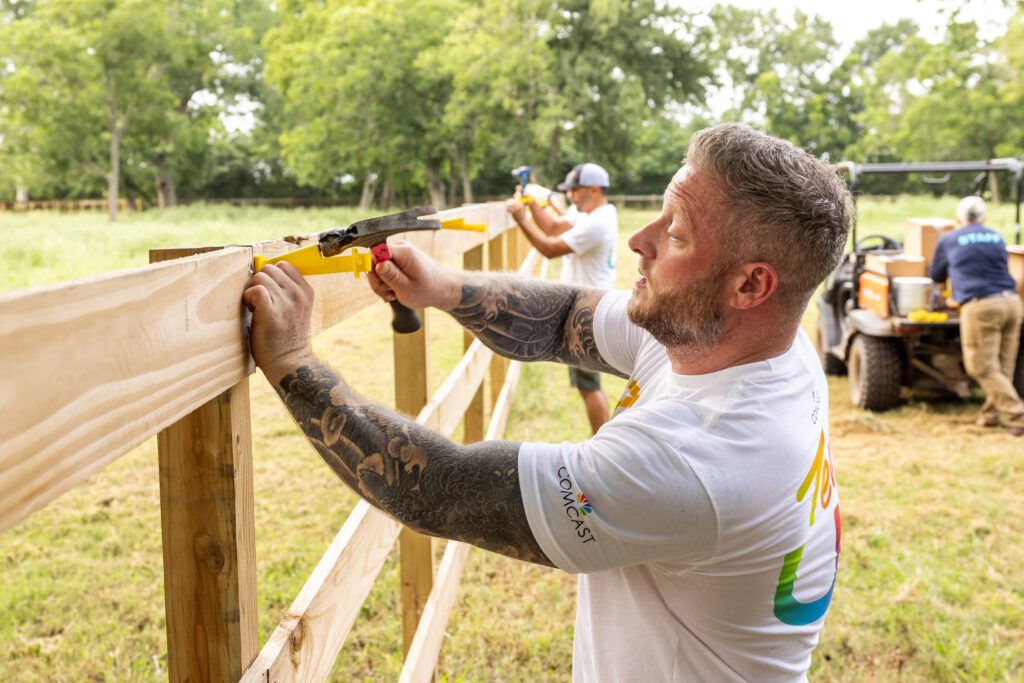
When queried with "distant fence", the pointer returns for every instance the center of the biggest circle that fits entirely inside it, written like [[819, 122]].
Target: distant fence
[[76, 205], [186, 380], [643, 200], [69, 205]]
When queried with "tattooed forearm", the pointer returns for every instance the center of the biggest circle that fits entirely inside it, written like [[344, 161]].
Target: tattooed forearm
[[465, 493], [532, 320]]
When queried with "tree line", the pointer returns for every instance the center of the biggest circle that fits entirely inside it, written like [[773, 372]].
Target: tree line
[[383, 102]]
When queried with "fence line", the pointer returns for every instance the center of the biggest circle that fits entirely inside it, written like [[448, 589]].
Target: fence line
[[93, 367], [69, 205], [78, 205]]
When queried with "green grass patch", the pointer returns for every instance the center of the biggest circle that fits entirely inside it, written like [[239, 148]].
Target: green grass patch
[[930, 586]]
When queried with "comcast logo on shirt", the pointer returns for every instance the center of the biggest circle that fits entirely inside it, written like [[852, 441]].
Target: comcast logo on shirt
[[575, 505], [584, 504]]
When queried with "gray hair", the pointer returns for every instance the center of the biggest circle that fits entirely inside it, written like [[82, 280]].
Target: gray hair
[[970, 210], [784, 206]]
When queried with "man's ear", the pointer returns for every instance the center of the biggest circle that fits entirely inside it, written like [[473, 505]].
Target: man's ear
[[754, 283]]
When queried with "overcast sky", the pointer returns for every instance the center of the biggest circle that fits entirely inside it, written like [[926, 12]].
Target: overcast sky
[[851, 19]]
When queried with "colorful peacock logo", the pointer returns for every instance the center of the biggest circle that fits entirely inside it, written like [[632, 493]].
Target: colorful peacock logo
[[585, 507]]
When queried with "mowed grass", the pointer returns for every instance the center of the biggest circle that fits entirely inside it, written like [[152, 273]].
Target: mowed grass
[[930, 585]]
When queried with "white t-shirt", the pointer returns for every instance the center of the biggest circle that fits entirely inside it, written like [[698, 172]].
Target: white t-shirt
[[593, 239], [703, 518]]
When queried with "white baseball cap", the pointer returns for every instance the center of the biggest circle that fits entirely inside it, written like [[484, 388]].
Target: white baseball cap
[[584, 175]]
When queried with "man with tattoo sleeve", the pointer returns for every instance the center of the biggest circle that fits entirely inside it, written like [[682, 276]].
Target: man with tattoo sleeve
[[703, 518]]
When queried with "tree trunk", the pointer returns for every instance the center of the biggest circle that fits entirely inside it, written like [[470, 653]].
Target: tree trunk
[[387, 195], [20, 192], [116, 126], [467, 182], [114, 176], [435, 186], [369, 185], [993, 186], [451, 187], [166, 193], [553, 154]]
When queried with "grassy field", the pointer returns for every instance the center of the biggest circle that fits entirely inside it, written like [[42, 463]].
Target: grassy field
[[930, 584]]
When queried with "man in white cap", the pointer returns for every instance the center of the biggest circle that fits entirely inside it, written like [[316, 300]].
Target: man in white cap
[[587, 236]]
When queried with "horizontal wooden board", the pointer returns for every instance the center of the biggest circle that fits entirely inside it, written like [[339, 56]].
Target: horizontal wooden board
[[90, 368], [304, 645], [338, 586], [426, 645], [445, 409]]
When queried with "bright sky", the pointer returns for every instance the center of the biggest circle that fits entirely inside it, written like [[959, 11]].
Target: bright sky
[[851, 19]]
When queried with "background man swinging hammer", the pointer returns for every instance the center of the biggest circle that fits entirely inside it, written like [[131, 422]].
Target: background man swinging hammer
[[586, 237]]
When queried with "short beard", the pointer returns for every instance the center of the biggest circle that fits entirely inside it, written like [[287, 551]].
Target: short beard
[[688, 317]]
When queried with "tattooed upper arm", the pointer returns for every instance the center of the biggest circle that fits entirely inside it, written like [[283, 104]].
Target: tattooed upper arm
[[465, 493], [579, 347], [532, 320]]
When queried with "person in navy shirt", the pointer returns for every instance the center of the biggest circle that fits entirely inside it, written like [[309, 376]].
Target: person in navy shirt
[[974, 259]]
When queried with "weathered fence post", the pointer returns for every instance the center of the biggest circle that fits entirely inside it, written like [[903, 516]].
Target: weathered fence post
[[496, 261], [415, 552], [209, 537], [473, 424]]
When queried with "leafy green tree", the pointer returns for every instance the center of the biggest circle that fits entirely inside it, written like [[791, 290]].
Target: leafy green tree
[[362, 96], [780, 76], [947, 97], [616, 66], [89, 81], [498, 63], [1009, 55]]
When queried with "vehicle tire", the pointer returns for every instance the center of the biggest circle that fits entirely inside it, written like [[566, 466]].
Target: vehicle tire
[[876, 372], [831, 364]]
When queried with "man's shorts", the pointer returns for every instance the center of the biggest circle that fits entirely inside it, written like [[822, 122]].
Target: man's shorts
[[584, 380]]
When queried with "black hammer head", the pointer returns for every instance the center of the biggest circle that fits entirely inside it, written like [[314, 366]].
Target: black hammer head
[[373, 231]]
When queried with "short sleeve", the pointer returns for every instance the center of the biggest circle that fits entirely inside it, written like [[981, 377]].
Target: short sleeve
[[572, 215], [627, 496], [586, 233], [618, 340]]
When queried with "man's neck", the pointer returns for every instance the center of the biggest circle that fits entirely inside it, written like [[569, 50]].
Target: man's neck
[[598, 203], [739, 345]]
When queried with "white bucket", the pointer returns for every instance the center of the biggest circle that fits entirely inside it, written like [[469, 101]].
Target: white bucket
[[912, 293]]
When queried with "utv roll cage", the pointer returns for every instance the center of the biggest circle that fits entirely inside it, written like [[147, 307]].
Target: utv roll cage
[[1008, 165]]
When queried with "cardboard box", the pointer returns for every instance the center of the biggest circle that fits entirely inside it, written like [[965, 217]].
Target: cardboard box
[[1016, 264], [873, 294], [897, 265], [920, 235]]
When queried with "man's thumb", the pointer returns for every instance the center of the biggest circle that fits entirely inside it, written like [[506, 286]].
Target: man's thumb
[[389, 273]]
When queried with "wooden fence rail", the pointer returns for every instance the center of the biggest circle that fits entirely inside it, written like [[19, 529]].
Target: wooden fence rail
[[93, 367]]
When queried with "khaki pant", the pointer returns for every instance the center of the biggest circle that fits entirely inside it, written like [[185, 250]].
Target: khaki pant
[[990, 334]]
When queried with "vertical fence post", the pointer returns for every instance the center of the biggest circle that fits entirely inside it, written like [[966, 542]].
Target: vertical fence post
[[521, 249], [496, 261], [415, 550], [473, 422], [209, 537]]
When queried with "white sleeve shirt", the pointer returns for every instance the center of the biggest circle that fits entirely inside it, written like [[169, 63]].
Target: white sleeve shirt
[[702, 518]]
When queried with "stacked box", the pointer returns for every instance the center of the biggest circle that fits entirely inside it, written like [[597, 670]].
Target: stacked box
[[896, 265], [1016, 265], [920, 235]]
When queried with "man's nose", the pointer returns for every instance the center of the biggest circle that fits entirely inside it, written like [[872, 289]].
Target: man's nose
[[640, 242]]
